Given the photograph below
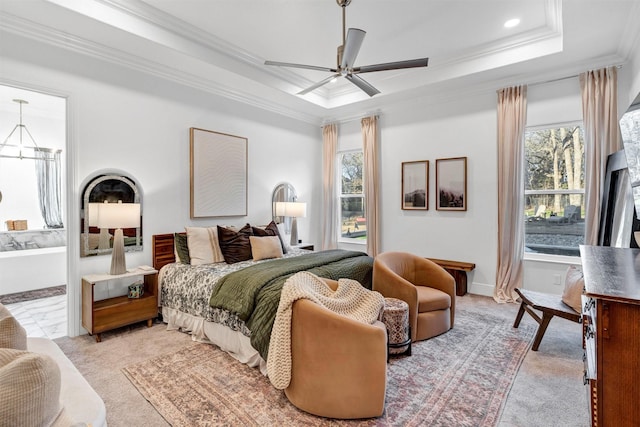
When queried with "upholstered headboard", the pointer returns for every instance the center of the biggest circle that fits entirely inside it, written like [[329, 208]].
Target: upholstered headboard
[[163, 251]]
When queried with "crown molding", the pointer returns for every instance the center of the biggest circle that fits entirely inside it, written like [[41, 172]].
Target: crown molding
[[35, 31], [135, 16]]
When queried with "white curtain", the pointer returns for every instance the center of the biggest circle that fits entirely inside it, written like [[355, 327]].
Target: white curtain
[[371, 182], [512, 116], [330, 211], [601, 136], [49, 191]]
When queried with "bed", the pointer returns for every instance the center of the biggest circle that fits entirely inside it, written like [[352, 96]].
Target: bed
[[186, 291]]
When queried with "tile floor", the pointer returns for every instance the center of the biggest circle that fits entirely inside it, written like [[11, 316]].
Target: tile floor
[[43, 317]]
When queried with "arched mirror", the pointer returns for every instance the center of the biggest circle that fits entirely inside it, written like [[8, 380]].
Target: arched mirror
[[282, 193], [109, 188]]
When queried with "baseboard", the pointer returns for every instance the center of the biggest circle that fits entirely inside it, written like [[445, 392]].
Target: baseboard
[[481, 289]]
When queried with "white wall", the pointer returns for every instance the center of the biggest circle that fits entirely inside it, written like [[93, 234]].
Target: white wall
[[633, 68], [453, 128], [126, 121]]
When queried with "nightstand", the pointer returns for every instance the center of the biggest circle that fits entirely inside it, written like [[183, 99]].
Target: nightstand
[[111, 313], [307, 246]]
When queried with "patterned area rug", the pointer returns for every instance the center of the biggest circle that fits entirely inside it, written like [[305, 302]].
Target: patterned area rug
[[460, 378]]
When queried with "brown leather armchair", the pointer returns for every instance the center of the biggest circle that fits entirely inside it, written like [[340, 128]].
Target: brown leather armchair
[[428, 289], [338, 365]]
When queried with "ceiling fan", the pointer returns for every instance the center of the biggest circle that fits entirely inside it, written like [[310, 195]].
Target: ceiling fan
[[347, 53]]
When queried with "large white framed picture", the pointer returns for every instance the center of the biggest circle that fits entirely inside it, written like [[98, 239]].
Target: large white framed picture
[[218, 174]]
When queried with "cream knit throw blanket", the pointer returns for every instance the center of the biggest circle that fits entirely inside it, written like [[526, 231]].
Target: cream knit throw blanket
[[350, 299]]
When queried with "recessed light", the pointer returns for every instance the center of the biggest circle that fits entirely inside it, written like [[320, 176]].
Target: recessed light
[[333, 80], [511, 23]]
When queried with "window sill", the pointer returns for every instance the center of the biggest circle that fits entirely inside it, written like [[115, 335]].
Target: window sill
[[552, 259], [353, 241]]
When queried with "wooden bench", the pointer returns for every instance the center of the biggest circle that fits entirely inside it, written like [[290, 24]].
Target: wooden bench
[[549, 305], [458, 270]]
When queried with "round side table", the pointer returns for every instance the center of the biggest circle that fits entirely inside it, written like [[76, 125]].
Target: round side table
[[396, 319]]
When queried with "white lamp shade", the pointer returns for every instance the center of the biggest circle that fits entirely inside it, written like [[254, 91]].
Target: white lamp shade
[[291, 209], [297, 209], [118, 215], [92, 215]]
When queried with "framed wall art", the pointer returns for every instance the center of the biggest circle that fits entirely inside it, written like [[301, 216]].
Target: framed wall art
[[415, 185], [218, 174], [451, 184]]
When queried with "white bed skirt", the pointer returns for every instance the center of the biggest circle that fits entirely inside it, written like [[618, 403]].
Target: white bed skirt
[[233, 342]]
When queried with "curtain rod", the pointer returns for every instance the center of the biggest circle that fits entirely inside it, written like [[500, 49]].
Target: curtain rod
[[352, 119], [564, 78], [618, 66]]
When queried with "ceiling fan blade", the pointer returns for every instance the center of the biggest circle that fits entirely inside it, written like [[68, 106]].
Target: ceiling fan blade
[[308, 67], [352, 47], [362, 84], [317, 85], [412, 63]]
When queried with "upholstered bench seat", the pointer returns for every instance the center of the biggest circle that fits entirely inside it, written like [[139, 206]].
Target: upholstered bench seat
[[430, 299]]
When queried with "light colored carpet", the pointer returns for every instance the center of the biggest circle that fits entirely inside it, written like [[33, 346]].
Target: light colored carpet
[[459, 378], [547, 390]]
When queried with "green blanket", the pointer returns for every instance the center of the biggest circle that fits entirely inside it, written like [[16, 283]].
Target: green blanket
[[253, 293]]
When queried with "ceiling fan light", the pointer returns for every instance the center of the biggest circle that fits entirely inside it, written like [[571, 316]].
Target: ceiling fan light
[[346, 55]]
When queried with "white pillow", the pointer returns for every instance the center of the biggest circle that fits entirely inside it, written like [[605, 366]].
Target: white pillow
[[265, 247], [203, 245]]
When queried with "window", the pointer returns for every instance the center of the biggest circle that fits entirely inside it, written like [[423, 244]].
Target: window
[[353, 225], [554, 189]]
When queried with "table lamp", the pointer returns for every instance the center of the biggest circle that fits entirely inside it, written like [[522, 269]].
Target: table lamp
[[293, 210], [118, 216]]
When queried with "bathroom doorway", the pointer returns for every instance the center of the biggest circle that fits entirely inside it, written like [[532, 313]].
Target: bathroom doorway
[[33, 236]]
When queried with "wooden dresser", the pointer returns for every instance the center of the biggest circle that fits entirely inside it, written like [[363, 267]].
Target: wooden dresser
[[611, 324]]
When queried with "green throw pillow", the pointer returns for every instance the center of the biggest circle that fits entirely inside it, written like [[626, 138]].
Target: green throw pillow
[[182, 249]]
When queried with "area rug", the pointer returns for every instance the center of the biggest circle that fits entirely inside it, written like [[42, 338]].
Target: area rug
[[460, 378], [35, 294]]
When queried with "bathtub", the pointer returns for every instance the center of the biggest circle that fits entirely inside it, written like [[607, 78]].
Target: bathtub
[[40, 266]]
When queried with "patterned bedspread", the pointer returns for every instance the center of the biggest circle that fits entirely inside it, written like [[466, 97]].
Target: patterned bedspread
[[187, 288]]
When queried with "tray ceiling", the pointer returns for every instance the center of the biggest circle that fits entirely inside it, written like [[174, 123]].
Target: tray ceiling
[[220, 45]]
